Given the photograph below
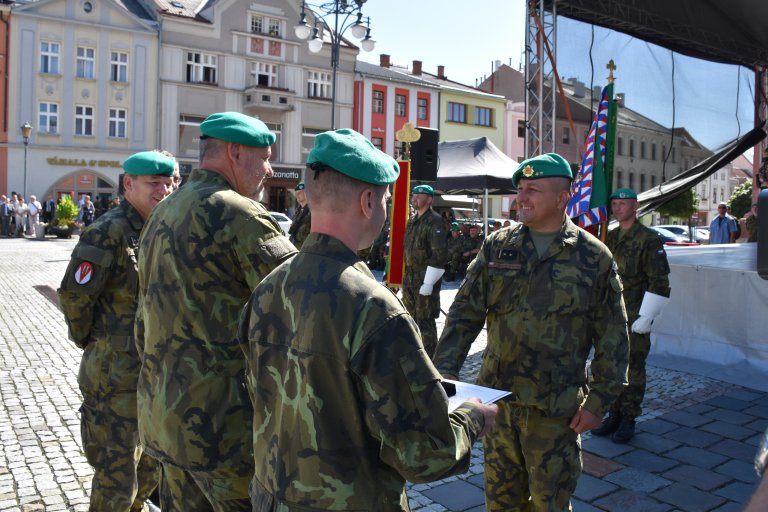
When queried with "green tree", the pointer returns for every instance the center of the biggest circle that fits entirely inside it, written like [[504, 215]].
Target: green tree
[[741, 200], [683, 206]]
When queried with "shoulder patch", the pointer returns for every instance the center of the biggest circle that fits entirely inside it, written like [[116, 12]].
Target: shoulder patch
[[83, 273]]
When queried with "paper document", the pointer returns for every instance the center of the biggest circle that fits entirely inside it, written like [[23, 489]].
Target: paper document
[[466, 391]]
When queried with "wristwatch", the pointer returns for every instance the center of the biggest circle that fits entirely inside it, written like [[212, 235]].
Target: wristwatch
[[761, 457]]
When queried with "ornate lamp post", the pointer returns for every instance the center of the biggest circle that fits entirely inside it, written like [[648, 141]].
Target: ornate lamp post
[[26, 131], [346, 15]]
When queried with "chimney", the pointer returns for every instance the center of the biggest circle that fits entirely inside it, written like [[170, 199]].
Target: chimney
[[498, 65], [416, 68], [384, 60], [441, 72], [579, 89]]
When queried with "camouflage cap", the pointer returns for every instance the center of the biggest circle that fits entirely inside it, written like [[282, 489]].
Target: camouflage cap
[[238, 128], [149, 163], [623, 193], [352, 154], [423, 189], [550, 165], [298, 187]]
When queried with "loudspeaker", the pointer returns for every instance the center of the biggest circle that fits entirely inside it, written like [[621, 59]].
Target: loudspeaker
[[762, 234], [424, 162]]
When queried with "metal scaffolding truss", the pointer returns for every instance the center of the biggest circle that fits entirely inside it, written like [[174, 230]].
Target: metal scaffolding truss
[[540, 88]]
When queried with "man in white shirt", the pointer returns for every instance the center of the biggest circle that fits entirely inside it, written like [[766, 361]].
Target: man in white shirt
[[34, 216]]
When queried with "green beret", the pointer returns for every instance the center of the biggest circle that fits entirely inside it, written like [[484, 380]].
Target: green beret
[[623, 193], [238, 128], [423, 189], [149, 163], [298, 187], [454, 226], [348, 152], [550, 165]]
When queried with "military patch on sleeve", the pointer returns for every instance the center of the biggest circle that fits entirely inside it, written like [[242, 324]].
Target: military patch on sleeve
[[614, 278], [84, 273]]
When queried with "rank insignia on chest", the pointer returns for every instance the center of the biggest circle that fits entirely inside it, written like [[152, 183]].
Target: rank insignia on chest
[[508, 254], [84, 272]]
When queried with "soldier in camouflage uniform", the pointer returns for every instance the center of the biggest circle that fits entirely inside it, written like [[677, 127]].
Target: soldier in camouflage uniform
[[302, 219], [471, 245], [550, 292], [426, 253], [455, 243], [201, 254], [643, 267], [347, 405], [99, 297]]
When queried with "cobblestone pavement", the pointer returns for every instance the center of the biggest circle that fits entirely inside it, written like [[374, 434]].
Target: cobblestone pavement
[[693, 451]]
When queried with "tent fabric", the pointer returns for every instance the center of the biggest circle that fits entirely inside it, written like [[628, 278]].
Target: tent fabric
[[732, 32], [473, 167], [654, 198]]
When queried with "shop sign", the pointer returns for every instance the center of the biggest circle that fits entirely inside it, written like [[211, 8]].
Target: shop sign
[[81, 162], [286, 174]]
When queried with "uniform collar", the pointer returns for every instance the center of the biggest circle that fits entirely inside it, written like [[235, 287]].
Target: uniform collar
[[328, 246], [132, 215]]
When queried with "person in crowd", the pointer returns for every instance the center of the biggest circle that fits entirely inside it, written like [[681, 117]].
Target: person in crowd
[[550, 293], [347, 405], [6, 214], [21, 212], [644, 272], [99, 295], [722, 229], [426, 253], [33, 215], [761, 177], [299, 229], [750, 224], [87, 212], [201, 253], [454, 267], [472, 244], [49, 209]]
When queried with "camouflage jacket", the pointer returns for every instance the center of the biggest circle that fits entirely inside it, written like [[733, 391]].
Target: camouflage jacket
[[202, 251], [455, 246], [347, 405], [642, 261], [299, 230], [99, 289], [544, 315], [425, 246]]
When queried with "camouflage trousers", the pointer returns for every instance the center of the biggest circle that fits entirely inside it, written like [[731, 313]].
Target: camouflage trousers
[[221, 490], [124, 476], [532, 462], [421, 308], [629, 403]]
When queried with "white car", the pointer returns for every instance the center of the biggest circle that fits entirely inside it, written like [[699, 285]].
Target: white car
[[284, 221], [701, 235]]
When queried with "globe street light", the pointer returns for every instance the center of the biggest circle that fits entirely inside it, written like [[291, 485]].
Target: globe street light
[[26, 131], [351, 18]]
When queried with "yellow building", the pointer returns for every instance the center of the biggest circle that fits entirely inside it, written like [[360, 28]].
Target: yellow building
[[84, 75]]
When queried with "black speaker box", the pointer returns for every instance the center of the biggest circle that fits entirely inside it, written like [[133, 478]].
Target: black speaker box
[[424, 161]]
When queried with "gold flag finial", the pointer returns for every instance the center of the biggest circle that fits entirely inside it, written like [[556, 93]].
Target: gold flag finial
[[408, 133], [611, 67]]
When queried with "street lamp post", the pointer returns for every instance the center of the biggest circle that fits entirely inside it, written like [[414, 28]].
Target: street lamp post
[[26, 131], [347, 15]]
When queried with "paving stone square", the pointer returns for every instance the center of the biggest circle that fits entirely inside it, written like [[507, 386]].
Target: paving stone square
[[706, 429]]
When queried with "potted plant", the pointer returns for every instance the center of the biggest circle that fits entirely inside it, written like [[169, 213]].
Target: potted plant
[[64, 223]]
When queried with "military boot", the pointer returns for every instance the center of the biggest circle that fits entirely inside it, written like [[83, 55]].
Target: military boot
[[624, 433], [609, 426]]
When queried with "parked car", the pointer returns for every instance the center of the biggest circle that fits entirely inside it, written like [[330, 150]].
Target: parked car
[[669, 237], [284, 221], [700, 236]]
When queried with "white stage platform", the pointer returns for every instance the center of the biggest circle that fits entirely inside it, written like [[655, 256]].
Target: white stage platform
[[716, 323]]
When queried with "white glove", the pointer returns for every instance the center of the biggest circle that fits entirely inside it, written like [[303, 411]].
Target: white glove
[[432, 276], [649, 310]]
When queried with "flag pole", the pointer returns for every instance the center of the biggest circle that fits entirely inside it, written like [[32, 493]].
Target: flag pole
[[609, 147]]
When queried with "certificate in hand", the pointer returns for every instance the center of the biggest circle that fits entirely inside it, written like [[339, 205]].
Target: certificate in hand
[[465, 391]]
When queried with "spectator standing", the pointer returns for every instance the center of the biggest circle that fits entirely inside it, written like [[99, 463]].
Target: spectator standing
[[426, 253], [343, 390], [49, 209], [87, 212], [98, 296], [34, 216], [644, 271], [201, 254], [750, 224], [6, 212], [21, 211], [550, 293], [722, 229]]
